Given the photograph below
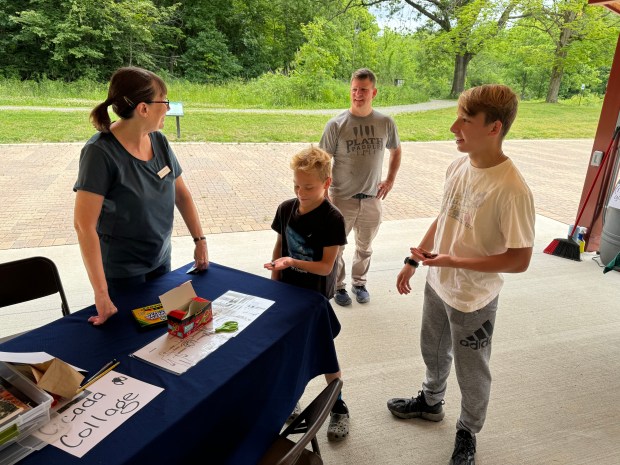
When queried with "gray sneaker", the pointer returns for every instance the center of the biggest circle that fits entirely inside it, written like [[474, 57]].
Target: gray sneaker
[[342, 297], [361, 294], [416, 407]]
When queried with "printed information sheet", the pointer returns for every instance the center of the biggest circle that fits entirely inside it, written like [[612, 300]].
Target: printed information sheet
[[178, 355]]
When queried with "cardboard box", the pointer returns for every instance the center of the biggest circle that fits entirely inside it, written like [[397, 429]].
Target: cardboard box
[[186, 312]]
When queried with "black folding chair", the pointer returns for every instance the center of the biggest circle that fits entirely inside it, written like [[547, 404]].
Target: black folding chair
[[286, 452], [29, 279]]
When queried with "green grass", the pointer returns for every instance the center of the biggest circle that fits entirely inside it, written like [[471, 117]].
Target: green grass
[[535, 121], [269, 91], [45, 126]]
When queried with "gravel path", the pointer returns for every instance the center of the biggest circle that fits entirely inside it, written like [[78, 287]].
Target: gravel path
[[391, 110]]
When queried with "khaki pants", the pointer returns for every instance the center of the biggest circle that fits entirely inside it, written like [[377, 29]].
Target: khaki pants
[[364, 217]]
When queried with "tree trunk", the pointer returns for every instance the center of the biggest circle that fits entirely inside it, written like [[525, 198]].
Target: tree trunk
[[554, 84], [460, 73], [560, 55], [523, 84], [130, 51]]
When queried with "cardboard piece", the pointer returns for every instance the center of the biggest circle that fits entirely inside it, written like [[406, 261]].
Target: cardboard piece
[[186, 311], [178, 298], [54, 376]]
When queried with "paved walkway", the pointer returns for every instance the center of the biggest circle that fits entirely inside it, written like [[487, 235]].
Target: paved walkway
[[391, 110], [237, 187]]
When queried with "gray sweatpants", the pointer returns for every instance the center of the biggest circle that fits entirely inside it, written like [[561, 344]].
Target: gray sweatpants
[[448, 333]]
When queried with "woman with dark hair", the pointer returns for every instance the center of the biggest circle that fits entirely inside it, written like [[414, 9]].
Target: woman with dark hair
[[128, 183]]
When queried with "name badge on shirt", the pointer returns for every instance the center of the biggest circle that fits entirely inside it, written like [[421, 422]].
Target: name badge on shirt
[[163, 172]]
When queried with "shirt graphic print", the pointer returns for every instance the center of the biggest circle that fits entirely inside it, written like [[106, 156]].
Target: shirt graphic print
[[462, 208], [299, 249], [364, 142]]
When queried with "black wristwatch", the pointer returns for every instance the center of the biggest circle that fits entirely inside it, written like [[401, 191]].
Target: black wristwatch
[[411, 261]]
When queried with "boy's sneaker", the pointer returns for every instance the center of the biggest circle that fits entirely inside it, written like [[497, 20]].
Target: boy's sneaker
[[294, 414], [464, 449], [338, 428], [416, 407], [342, 297], [361, 294]]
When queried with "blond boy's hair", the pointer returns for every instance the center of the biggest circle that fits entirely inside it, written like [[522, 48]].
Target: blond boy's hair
[[313, 159], [496, 101]]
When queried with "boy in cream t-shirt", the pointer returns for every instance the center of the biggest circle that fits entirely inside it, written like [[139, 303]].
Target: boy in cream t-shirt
[[485, 227]]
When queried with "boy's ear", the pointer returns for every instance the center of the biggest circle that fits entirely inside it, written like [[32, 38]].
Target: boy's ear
[[497, 127], [327, 183]]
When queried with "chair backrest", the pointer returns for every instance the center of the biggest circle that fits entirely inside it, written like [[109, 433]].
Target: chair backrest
[[308, 423], [29, 279]]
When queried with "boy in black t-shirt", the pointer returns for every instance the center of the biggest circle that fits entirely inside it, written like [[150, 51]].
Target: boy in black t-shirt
[[310, 231]]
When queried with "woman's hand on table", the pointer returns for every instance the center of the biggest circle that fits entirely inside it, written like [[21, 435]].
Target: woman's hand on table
[[105, 309], [201, 255]]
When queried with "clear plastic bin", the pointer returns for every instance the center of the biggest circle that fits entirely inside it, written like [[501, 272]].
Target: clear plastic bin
[[16, 442], [18, 450]]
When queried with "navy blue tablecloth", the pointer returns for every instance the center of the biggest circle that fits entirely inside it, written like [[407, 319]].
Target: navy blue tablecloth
[[225, 410]]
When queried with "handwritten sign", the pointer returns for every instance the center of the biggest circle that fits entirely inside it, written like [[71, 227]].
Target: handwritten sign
[[179, 355], [98, 411]]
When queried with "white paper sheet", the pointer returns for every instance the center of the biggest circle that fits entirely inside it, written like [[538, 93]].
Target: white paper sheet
[[30, 358], [98, 411], [178, 355]]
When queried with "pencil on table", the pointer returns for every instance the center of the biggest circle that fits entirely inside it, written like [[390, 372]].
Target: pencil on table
[[97, 378]]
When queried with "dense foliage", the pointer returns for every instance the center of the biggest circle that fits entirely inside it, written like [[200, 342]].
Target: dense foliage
[[300, 49]]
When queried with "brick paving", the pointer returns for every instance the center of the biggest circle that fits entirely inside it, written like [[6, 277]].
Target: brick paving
[[237, 187]]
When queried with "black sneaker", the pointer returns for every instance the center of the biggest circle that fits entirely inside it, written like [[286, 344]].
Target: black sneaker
[[416, 407], [341, 297], [464, 449]]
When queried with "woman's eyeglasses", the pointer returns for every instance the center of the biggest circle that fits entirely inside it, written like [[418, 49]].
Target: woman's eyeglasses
[[166, 102]]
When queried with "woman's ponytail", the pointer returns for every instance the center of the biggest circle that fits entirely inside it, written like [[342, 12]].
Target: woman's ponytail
[[100, 116]]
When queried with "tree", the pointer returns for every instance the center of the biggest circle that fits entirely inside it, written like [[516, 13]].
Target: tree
[[573, 28], [465, 26], [519, 57], [207, 58], [336, 44], [74, 39], [262, 35]]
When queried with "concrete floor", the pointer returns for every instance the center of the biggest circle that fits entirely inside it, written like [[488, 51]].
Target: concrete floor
[[555, 361], [557, 339]]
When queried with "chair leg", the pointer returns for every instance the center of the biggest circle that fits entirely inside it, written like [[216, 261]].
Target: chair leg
[[315, 446]]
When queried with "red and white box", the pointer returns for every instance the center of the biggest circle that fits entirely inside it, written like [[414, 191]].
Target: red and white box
[[186, 311]]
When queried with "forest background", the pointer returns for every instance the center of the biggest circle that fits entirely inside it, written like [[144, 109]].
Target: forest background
[[300, 54]]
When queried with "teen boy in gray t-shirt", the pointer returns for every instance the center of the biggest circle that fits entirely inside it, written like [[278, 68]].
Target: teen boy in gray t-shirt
[[356, 139]]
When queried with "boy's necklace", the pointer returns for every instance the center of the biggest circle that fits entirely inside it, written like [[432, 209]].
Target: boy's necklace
[[500, 158], [494, 162]]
